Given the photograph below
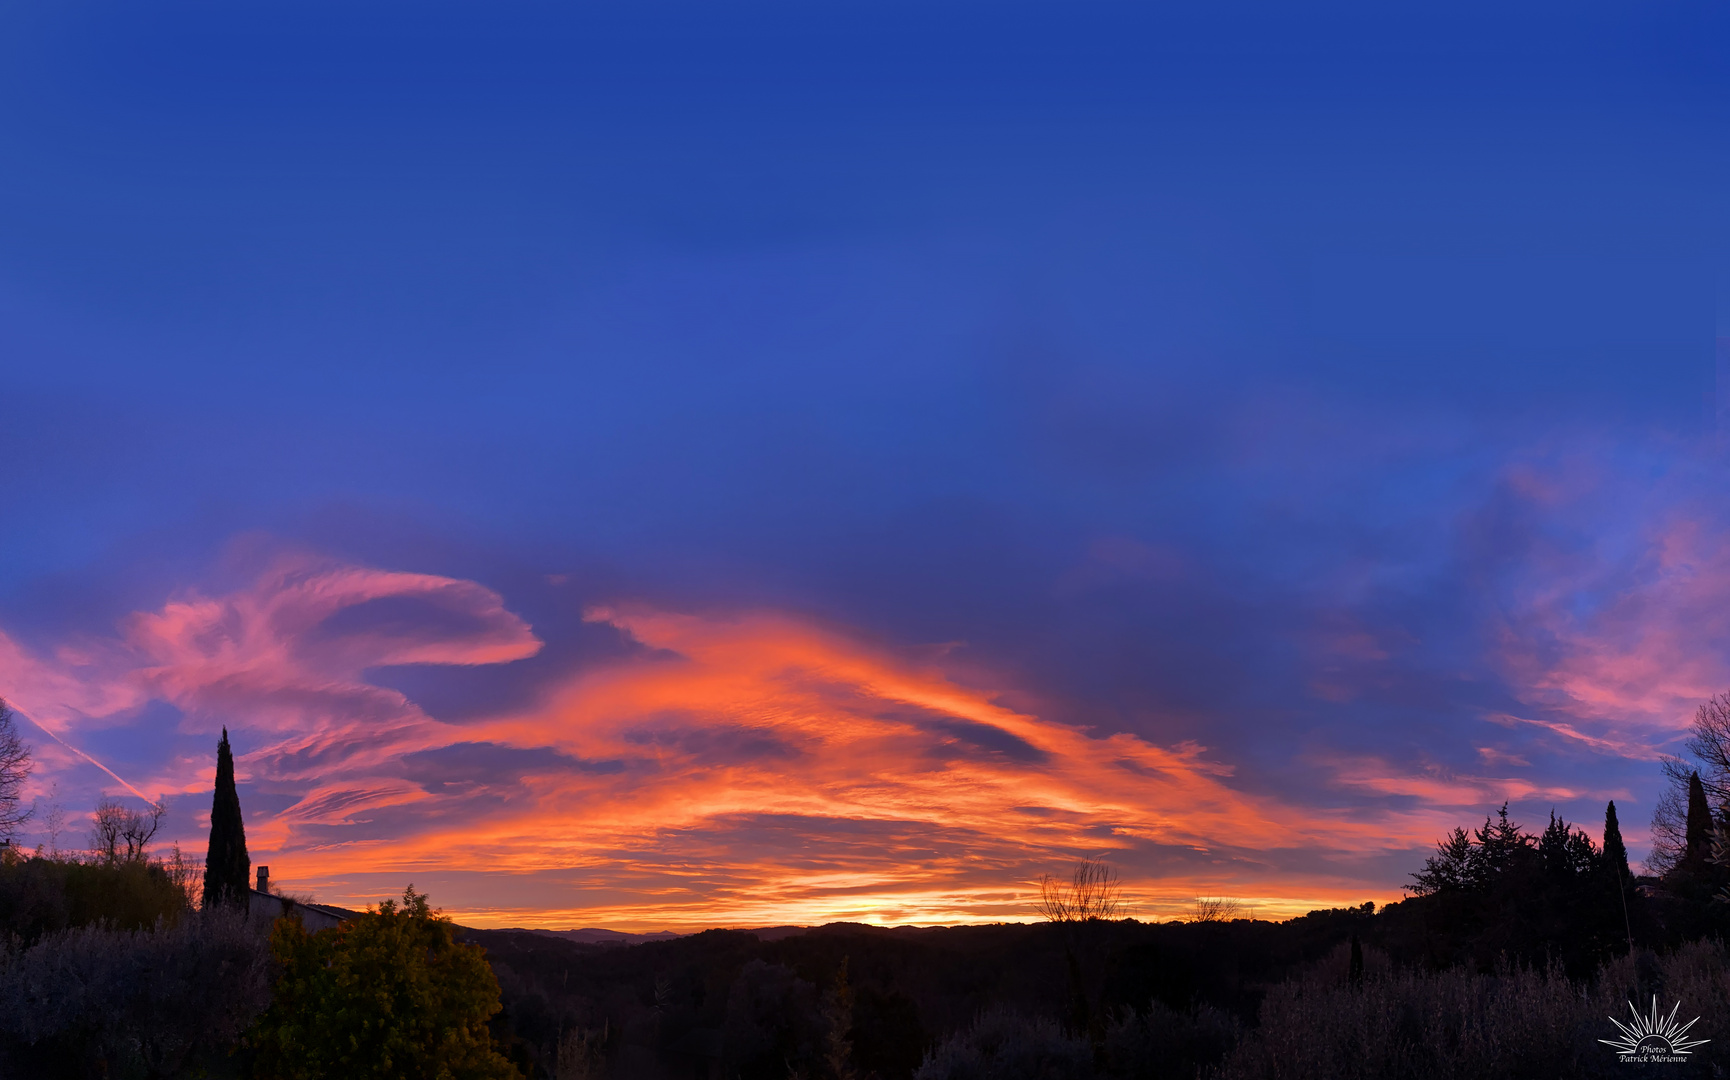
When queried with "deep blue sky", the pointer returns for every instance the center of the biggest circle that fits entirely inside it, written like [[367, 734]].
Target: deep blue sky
[[1333, 388]]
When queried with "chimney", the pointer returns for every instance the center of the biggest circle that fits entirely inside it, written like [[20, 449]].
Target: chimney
[[264, 879]]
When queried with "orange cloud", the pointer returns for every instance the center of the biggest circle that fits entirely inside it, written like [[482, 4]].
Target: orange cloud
[[730, 769], [758, 767]]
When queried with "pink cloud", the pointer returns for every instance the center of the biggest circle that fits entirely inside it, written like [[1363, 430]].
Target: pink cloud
[[1626, 646], [1444, 792], [741, 767]]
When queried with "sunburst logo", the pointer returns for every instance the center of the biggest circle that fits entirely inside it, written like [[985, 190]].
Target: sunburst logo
[[1654, 1037]]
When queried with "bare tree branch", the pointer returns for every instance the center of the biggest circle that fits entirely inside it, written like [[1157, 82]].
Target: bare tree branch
[[1215, 909], [1670, 818], [121, 834], [1709, 745], [1092, 892], [14, 770]]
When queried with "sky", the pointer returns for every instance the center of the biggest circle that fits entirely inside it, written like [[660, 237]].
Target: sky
[[668, 465]]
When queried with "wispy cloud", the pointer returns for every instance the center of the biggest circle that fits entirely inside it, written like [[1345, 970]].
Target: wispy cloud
[[730, 767], [1614, 627]]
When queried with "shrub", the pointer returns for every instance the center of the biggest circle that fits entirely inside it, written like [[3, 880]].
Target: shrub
[[113, 1003], [1002, 1045], [1167, 1044], [41, 896], [1514, 1022], [388, 994]]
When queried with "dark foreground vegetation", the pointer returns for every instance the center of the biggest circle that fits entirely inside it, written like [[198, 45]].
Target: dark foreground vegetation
[[1507, 961], [115, 964], [402, 993], [1239, 999], [107, 971]]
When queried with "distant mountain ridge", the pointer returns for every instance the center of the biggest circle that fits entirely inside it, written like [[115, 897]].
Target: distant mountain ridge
[[595, 935], [598, 936]]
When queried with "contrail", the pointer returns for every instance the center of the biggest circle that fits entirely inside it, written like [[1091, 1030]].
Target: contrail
[[117, 778]]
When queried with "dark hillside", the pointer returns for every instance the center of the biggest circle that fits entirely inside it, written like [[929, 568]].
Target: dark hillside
[[690, 1002]]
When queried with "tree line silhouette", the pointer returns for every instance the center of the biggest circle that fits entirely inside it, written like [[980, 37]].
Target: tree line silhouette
[[1498, 891], [1511, 946]]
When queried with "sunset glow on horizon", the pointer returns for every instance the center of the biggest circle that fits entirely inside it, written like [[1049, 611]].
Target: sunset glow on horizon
[[745, 770], [720, 769]]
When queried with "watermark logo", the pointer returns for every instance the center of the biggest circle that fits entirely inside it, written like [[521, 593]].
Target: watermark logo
[[1653, 1037]]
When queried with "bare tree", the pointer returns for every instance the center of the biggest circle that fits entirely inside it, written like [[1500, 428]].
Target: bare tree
[[1092, 892], [187, 875], [1215, 909], [120, 834], [1670, 818], [56, 821], [1709, 745], [14, 770]]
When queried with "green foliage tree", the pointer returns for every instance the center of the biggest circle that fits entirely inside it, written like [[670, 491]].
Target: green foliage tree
[[227, 867], [390, 995]]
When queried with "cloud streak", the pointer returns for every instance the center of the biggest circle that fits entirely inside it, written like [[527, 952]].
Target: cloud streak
[[730, 764], [726, 767]]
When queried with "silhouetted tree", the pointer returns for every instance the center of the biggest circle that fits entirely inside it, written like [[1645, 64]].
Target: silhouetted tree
[[1453, 868], [226, 866], [1092, 892], [1501, 892], [1669, 831], [121, 834], [1215, 909], [1615, 862], [1709, 747], [14, 770], [1709, 743], [1553, 847], [1502, 845], [1474, 861], [1355, 973], [1698, 849], [1615, 853], [838, 1010], [1566, 853]]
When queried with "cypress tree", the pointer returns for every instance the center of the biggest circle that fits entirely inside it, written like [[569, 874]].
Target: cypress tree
[[1699, 829], [1699, 826], [226, 866], [1615, 854]]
